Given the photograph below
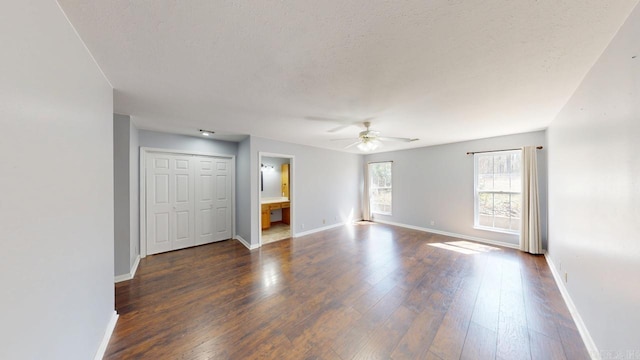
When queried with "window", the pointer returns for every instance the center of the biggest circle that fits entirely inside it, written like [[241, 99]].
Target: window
[[498, 193], [380, 187]]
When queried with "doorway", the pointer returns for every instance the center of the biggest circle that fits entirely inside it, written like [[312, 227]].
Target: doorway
[[276, 200]]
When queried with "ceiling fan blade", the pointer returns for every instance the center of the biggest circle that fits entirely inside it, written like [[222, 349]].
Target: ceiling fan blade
[[340, 119], [387, 138], [341, 127], [344, 122], [350, 145], [321, 118], [344, 139]]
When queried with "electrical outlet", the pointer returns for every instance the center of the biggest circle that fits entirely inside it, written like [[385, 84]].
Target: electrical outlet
[[324, 221], [433, 222], [566, 277], [302, 226]]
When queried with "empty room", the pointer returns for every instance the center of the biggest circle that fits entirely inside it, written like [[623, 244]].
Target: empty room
[[320, 180]]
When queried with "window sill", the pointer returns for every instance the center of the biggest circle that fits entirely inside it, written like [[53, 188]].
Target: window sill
[[381, 213], [477, 227]]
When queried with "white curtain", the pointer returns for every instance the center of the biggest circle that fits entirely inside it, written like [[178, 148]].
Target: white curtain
[[366, 207], [530, 240]]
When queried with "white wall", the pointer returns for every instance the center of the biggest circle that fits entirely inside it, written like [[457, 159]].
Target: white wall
[[325, 185], [56, 212], [594, 195], [435, 183]]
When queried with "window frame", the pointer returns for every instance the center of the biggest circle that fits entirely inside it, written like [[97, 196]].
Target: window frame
[[371, 207], [476, 192]]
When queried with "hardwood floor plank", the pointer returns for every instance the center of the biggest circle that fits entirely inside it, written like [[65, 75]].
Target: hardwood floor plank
[[487, 306], [383, 309], [544, 347], [373, 295], [349, 343], [480, 343], [321, 328], [513, 341], [380, 344], [419, 335], [572, 343], [429, 356], [513, 334], [321, 352], [401, 319], [368, 291], [451, 334]]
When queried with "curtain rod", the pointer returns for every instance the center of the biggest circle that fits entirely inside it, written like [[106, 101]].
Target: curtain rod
[[379, 162], [480, 152]]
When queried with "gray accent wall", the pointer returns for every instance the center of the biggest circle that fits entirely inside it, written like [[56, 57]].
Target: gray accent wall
[[435, 184], [155, 139], [134, 194], [126, 160], [121, 190], [56, 212], [594, 195], [243, 190], [159, 140]]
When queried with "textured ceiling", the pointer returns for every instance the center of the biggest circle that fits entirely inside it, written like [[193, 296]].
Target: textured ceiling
[[441, 71]]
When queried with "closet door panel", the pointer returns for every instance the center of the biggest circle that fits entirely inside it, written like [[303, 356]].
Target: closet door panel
[[159, 208], [183, 197], [204, 200], [222, 203]]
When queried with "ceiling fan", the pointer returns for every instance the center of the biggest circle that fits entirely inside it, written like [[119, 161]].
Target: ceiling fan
[[370, 140]]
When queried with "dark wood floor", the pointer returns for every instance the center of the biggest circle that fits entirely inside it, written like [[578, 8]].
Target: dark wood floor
[[357, 292]]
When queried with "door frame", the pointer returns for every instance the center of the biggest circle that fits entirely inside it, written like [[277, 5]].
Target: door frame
[[144, 153], [292, 197]]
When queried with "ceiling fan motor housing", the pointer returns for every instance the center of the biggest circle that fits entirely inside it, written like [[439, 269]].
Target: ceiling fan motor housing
[[369, 134]]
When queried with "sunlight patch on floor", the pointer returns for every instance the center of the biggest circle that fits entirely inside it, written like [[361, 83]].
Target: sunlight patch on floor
[[464, 247], [473, 246]]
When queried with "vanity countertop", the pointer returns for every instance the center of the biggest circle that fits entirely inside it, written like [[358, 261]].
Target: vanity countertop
[[273, 200]]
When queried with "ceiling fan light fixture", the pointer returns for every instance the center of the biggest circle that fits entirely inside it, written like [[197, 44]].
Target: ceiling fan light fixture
[[368, 145]]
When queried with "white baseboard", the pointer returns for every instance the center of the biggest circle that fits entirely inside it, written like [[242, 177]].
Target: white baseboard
[[245, 243], [309, 232], [134, 268], [582, 328], [121, 278], [107, 336], [132, 272], [446, 233]]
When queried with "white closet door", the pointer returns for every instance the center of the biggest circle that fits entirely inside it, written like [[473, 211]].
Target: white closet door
[[170, 202], [188, 200], [159, 214], [204, 199], [222, 199]]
